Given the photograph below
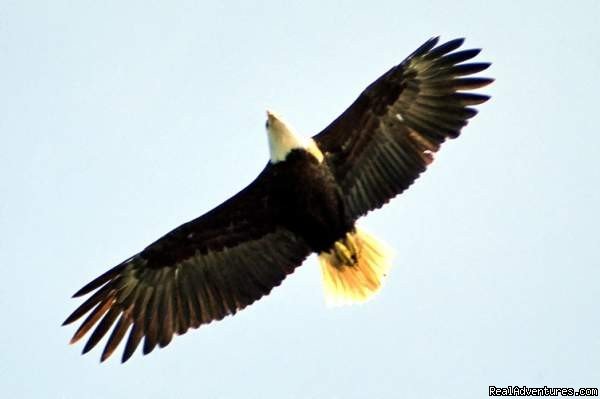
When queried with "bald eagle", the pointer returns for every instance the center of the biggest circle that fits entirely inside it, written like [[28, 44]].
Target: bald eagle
[[306, 200]]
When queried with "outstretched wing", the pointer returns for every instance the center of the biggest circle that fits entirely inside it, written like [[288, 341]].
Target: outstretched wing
[[203, 270], [378, 147]]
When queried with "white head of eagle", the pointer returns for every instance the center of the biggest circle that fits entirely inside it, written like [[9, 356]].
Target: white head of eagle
[[283, 139], [305, 201]]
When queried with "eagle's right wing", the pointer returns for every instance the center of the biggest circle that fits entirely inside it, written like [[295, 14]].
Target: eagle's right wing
[[387, 137]]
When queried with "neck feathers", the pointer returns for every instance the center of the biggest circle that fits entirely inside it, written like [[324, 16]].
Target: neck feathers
[[283, 139]]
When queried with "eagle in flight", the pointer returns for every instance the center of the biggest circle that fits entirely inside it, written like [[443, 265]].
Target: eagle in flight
[[306, 200]]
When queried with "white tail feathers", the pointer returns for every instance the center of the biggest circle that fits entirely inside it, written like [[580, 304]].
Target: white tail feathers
[[354, 268]]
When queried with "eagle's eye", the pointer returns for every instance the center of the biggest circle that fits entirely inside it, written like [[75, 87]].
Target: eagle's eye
[[267, 124]]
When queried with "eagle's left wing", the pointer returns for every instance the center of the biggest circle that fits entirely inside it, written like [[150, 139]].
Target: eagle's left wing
[[202, 271], [387, 137]]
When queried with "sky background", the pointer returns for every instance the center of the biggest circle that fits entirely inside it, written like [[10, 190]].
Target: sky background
[[121, 120]]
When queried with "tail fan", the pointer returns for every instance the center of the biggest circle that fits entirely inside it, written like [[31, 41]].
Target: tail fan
[[354, 268]]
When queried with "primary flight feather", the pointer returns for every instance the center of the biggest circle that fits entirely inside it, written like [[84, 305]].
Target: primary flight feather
[[306, 200]]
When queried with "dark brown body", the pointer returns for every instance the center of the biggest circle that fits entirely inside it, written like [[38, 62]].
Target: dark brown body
[[307, 200]]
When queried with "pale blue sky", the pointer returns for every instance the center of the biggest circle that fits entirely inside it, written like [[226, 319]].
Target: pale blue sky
[[122, 120]]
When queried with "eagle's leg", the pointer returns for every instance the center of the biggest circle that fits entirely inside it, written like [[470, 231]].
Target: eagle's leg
[[353, 269]]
